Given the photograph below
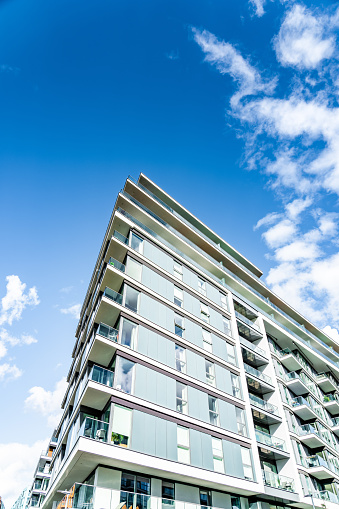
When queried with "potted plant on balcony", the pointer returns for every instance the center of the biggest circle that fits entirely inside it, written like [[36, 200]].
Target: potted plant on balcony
[[118, 439]]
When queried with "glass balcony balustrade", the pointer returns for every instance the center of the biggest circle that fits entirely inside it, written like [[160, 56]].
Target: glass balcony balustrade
[[91, 428], [246, 320], [307, 429], [317, 461], [262, 404], [257, 374], [299, 401], [327, 398], [278, 481], [108, 332], [101, 375], [269, 440], [252, 347], [112, 262], [111, 294], [327, 495], [120, 237]]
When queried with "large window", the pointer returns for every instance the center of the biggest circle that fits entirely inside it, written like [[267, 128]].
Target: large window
[[241, 421], [129, 333], [235, 380], [167, 493], [135, 491], [183, 443], [207, 340], [213, 410], [121, 426], [227, 325], [179, 325], [178, 296], [181, 391], [131, 298], [231, 355], [180, 358], [205, 498], [218, 456], [124, 371], [204, 312], [247, 463], [210, 372], [136, 243]]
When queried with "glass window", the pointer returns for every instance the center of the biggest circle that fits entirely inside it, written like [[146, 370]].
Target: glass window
[[223, 301], [183, 442], [179, 327], [127, 482], [241, 421], [213, 410], [204, 314], [180, 358], [205, 498], [210, 372], [131, 298], [129, 333], [247, 463], [231, 355], [218, 456], [143, 485], [235, 503], [177, 270], [227, 325], [202, 286], [133, 269], [181, 392], [167, 491], [123, 379], [235, 385], [178, 296], [137, 243], [207, 340], [121, 426]]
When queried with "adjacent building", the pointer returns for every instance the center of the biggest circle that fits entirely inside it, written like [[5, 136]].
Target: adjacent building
[[191, 383], [42, 474], [22, 500]]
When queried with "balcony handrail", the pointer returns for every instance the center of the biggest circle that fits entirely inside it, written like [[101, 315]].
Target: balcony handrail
[[262, 403], [120, 237], [271, 441], [278, 481], [112, 262], [257, 373], [247, 320], [111, 333], [113, 295], [252, 347]]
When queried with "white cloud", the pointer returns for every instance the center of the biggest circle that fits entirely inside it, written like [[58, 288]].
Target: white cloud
[[18, 462], [228, 60], [72, 310], [302, 41], [25, 339], [258, 6], [332, 333], [16, 300], [66, 289], [9, 372], [47, 403], [280, 233]]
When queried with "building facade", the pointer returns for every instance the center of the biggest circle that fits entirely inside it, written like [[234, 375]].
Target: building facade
[[41, 477], [191, 383], [22, 500]]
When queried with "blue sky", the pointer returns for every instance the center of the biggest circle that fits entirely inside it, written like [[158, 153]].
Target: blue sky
[[231, 107]]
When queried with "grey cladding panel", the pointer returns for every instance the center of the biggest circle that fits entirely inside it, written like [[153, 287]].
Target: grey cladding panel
[[195, 448], [216, 319], [193, 333], [219, 347], [223, 379], [228, 418], [212, 293]]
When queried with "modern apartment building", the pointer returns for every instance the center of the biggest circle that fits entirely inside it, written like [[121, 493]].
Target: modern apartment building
[[192, 384], [42, 474], [22, 500]]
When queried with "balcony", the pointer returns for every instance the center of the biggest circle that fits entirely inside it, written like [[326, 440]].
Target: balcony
[[327, 382], [258, 381], [278, 481], [274, 448], [264, 411], [296, 384], [253, 354], [320, 468], [113, 295], [331, 403], [97, 430], [335, 425], [112, 262], [327, 495], [303, 409], [290, 360], [246, 331], [108, 332], [101, 375], [310, 436]]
